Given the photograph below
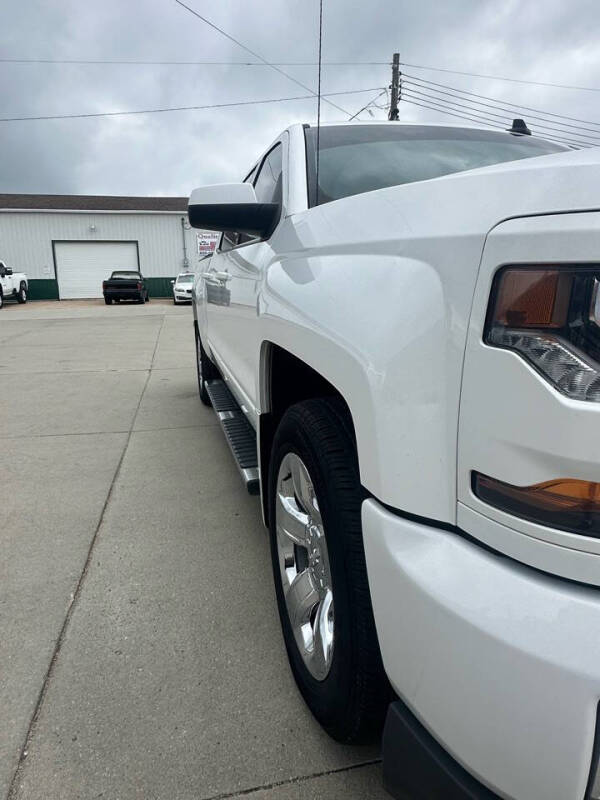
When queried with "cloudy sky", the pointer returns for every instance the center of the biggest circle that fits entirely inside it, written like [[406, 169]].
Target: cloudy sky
[[553, 41]]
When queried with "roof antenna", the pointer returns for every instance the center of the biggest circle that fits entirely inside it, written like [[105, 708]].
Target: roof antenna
[[519, 126], [319, 97]]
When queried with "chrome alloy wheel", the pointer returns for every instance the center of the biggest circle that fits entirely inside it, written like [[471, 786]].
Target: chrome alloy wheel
[[304, 565]]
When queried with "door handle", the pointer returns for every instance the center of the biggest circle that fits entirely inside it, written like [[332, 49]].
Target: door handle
[[219, 277]]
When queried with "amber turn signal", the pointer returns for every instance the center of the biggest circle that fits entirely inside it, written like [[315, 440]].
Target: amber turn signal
[[532, 298], [566, 503]]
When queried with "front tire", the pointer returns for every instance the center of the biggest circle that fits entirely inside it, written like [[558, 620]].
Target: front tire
[[1, 298], [320, 572], [205, 370], [22, 293]]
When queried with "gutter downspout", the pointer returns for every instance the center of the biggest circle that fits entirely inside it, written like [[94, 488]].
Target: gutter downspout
[[186, 262]]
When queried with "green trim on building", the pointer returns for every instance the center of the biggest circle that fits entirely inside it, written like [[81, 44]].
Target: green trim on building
[[47, 288], [160, 287], [43, 289]]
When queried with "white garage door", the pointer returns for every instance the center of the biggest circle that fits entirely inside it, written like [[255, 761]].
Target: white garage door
[[82, 266]]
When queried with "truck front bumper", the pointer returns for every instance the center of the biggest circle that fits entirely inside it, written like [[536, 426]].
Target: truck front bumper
[[498, 662]]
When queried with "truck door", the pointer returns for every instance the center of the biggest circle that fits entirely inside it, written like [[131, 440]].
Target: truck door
[[232, 288]]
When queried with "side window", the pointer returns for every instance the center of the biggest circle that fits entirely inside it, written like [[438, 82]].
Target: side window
[[231, 239], [250, 178], [268, 184]]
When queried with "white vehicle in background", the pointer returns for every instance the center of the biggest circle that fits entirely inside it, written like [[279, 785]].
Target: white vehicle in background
[[404, 354], [13, 285], [182, 287]]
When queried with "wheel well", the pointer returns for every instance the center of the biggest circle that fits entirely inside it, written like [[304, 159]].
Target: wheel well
[[286, 380]]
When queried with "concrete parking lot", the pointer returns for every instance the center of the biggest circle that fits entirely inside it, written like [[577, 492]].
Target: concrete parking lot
[[140, 649]]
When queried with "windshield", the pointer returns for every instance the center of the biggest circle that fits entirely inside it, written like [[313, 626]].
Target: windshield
[[185, 279], [361, 158], [128, 275]]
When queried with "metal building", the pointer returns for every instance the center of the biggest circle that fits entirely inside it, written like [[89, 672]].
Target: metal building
[[68, 244]]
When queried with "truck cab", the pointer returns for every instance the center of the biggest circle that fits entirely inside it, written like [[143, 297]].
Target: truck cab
[[13, 285]]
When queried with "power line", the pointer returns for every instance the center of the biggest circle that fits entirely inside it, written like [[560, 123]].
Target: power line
[[480, 120], [370, 103], [503, 78], [449, 113], [549, 124], [180, 108], [498, 100], [136, 62], [543, 125], [253, 53], [552, 127], [492, 124], [474, 116]]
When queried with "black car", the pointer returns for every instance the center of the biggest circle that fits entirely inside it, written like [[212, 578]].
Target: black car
[[125, 285]]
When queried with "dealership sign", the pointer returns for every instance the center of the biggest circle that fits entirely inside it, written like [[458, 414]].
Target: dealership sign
[[207, 241]]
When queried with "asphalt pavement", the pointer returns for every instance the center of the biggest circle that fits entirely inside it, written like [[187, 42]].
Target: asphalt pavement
[[140, 648]]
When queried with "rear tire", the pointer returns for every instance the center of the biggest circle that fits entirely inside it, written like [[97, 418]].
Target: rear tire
[[205, 370], [108, 300], [342, 681], [1, 298], [22, 293]]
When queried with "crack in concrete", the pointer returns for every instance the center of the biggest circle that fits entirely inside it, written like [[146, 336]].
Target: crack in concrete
[[14, 787], [107, 433], [300, 779], [96, 371]]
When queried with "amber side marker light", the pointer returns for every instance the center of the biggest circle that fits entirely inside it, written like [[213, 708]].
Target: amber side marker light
[[534, 298], [565, 503]]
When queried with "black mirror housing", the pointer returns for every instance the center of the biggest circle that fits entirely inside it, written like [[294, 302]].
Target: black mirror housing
[[255, 219]]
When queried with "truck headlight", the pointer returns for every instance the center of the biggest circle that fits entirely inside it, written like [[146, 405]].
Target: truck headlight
[[550, 316]]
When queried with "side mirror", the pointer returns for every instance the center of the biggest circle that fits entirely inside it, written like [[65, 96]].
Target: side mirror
[[231, 207], [9, 271], [172, 283]]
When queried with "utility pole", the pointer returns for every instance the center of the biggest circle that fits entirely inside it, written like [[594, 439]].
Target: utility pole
[[395, 87]]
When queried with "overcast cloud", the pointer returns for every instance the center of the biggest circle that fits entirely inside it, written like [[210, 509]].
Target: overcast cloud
[[171, 153]]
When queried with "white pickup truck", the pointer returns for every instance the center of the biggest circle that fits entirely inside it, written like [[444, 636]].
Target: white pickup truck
[[13, 285], [405, 357]]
